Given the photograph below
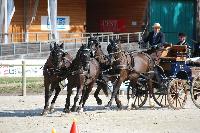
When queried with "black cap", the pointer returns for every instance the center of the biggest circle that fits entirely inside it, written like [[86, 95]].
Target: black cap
[[182, 34]]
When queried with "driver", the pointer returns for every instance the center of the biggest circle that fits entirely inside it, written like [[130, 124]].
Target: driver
[[155, 38]]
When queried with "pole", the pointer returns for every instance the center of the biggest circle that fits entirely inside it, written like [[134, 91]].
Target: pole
[[6, 23], [23, 78]]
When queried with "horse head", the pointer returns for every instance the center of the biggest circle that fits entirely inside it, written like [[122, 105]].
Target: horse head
[[57, 53], [84, 56], [114, 49], [93, 44]]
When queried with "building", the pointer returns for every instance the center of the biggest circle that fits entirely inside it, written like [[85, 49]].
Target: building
[[109, 16]]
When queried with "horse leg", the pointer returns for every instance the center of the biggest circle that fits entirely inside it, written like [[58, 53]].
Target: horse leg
[[86, 95], [104, 87], [67, 104], [57, 89], [82, 99], [114, 93], [79, 89], [151, 100], [118, 102], [48, 93], [131, 86], [96, 93]]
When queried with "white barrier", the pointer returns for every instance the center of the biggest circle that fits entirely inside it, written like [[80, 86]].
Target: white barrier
[[13, 68], [21, 68]]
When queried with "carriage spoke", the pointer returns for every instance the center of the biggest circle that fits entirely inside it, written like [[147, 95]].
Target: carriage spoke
[[165, 99], [180, 103], [181, 98], [141, 100], [135, 101], [161, 99], [176, 102], [158, 97]]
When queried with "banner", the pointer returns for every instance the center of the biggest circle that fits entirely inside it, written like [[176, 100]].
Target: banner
[[52, 13], [112, 25], [12, 69]]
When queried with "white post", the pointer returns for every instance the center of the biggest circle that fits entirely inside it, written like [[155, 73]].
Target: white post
[[6, 23], [23, 78]]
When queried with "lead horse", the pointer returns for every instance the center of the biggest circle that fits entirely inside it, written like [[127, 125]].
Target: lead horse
[[82, 74], [57, 61], [129, 66], [106, 72]]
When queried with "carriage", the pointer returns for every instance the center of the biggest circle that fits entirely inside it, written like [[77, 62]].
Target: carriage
[[168, 81], [174, 78]]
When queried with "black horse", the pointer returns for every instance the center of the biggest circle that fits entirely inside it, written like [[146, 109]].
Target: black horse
[[82, 74], [57, 61]]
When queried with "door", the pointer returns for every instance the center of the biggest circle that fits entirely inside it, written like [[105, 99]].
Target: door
[[174, 16]]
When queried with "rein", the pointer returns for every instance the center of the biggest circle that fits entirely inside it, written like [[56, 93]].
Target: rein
[[116, 52]]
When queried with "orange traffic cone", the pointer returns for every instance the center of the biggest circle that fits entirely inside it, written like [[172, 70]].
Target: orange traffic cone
[[74, 128], [53, 130]]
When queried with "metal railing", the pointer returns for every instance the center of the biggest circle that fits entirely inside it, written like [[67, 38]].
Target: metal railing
[[20, 48], [43, 36]]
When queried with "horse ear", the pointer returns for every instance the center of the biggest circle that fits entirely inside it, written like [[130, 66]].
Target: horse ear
[[55, 44], [62, 45], [51, 48]]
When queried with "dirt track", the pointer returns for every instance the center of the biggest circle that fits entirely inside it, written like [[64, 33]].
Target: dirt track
[[22, 115]]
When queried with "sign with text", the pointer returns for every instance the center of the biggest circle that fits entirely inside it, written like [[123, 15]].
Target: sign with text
[[112, 25], [13, 68], [62, 23]]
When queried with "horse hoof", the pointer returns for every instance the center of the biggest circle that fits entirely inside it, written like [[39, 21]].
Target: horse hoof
[[80, 110], [135, 106], [107, 107], [45, 112], [129, 108], [66, 110], [52, 110], [151, 103], [119, 106], [99, 102], [73, 109]]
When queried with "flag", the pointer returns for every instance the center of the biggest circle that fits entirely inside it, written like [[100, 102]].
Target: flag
[[52, 13]]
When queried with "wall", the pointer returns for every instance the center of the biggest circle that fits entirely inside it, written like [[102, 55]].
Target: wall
[[76, 9], [128, 10]]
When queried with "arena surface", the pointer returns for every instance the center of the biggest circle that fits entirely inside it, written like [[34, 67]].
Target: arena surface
[[22, 115]]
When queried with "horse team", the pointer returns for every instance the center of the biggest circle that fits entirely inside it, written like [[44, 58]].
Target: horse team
[[92, 66]]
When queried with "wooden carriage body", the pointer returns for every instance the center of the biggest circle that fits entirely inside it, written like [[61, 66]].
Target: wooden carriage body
[[173, 61]]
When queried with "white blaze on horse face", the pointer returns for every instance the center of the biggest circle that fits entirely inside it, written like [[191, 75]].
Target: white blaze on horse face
[[93, 52]]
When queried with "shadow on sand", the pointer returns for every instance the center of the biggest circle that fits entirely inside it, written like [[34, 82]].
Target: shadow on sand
[[37, 112]]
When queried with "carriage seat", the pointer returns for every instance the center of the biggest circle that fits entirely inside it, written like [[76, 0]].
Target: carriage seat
[[174, 53]]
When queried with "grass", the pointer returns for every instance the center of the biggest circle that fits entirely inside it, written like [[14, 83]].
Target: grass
[[13, 85]]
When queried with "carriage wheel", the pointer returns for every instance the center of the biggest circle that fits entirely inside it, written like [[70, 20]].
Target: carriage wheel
[[195, 91], [139, 96], [160, 94], [177, 93]]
